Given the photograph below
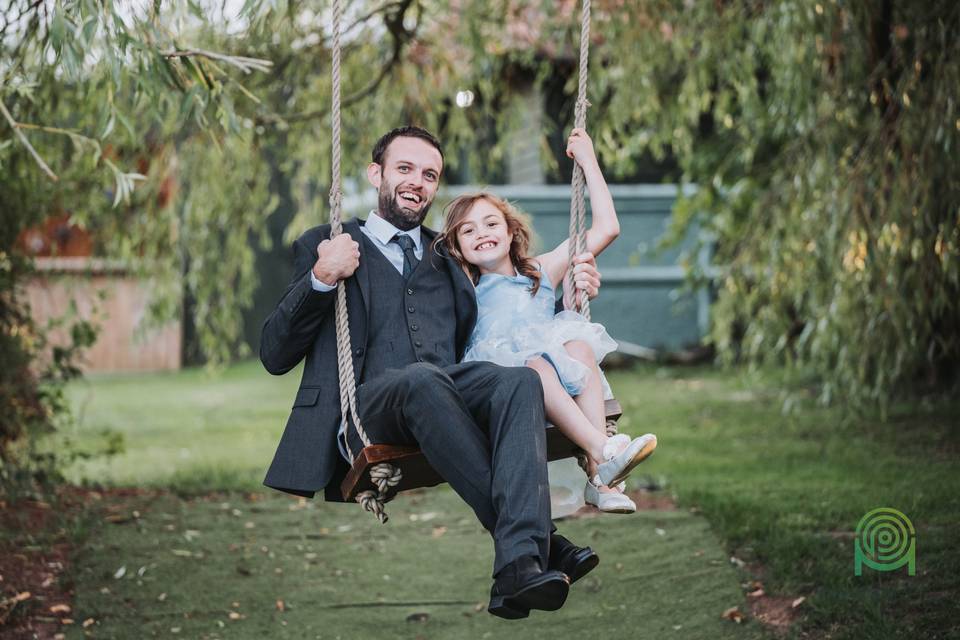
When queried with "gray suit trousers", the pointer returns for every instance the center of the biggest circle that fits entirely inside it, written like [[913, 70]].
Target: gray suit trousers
[[481, 426]]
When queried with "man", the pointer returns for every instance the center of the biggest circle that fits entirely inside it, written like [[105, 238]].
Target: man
[[411, 309]]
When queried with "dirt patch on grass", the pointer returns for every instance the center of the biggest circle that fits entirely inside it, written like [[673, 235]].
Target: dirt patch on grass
[[645, 501], [35, 596], [777, 613], [36, 550]]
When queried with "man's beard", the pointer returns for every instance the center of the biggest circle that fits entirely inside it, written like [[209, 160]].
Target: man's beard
[[397, 215]]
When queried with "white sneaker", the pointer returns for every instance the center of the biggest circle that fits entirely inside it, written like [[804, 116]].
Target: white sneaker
[[619, 464], [608, 502]]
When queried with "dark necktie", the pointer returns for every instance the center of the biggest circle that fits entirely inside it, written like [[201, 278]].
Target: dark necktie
[[410, 261]]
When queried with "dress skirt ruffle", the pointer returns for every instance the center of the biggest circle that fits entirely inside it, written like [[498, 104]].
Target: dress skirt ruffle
[[547, 339]]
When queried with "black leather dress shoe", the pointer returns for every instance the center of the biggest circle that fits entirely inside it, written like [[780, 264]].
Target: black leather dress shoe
[[572, 560], [522, 585]]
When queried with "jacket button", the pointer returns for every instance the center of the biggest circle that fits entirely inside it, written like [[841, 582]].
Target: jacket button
[[419, 358], [414, 327], [417, 343], [409, 292], [410, 309], [358, 351]]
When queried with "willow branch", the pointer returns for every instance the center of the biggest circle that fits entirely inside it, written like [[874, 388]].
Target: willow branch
[[400, 37], [26, 143], [243, 63]]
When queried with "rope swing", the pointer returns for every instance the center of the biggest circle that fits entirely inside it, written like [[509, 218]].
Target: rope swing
[[384, 475], [578, 233]]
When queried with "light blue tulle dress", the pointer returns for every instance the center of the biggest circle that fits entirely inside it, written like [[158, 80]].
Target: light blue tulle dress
[[514, 327]]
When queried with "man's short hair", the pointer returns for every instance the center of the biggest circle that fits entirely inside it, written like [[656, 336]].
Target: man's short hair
[[380, 148]]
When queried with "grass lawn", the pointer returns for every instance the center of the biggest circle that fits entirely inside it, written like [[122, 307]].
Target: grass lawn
[[782, 493]]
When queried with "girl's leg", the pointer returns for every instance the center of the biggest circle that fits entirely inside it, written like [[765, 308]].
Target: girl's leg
[[590, 399], [564, 413]]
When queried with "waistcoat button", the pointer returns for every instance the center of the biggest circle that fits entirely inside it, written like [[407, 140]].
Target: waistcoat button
[[414, 327], [410, 309], [409, 292]]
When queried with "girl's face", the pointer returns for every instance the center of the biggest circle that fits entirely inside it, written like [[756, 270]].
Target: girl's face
[[484, 239]]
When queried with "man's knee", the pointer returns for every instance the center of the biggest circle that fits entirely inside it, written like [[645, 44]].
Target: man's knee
[[523, 380], [425, 379], [423, 371]]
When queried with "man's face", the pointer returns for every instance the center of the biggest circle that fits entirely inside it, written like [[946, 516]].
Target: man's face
[[407, 181]]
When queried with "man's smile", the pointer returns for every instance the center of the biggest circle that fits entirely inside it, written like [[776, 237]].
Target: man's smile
[[410, 197]]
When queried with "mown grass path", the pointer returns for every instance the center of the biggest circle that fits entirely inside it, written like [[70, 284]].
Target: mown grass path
[[266, 566], [782, 491]]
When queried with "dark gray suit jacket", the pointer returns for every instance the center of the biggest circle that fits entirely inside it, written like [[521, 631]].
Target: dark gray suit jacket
[[303, 327]]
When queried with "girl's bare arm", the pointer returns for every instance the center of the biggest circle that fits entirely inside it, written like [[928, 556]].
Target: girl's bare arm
[[604, 226]]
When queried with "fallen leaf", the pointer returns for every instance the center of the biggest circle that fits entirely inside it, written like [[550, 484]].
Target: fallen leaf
[[796, 603], [89, 622], [46, 583], [23, 595], [66, 620], [733, 613], [280, 606], [183, 553], [438, 531], [734, 560], [659, 531], [233, 615], [756, 593], [117, 518], [162, 596], [122, 571], [60, 608]]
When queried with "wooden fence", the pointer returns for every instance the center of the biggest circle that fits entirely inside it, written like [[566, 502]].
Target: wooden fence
[[106, 292]]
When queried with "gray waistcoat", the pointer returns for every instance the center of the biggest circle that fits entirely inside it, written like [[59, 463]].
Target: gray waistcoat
[[408, 322]]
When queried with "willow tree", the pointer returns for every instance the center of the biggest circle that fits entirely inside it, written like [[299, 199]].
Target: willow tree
[[824, 139], [100, 105]]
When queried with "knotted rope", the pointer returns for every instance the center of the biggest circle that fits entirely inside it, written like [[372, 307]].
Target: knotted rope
[[578, 234], [383, 475]]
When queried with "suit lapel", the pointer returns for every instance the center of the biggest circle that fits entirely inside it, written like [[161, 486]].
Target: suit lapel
[[362, 274], [464, 293]]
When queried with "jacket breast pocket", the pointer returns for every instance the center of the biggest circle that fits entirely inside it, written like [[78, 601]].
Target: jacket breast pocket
[[306, 397]]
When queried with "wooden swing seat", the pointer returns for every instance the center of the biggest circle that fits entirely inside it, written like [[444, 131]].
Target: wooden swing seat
[[418, 473]]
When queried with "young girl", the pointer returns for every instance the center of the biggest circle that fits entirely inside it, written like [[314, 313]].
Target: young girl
[[516, 325]]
